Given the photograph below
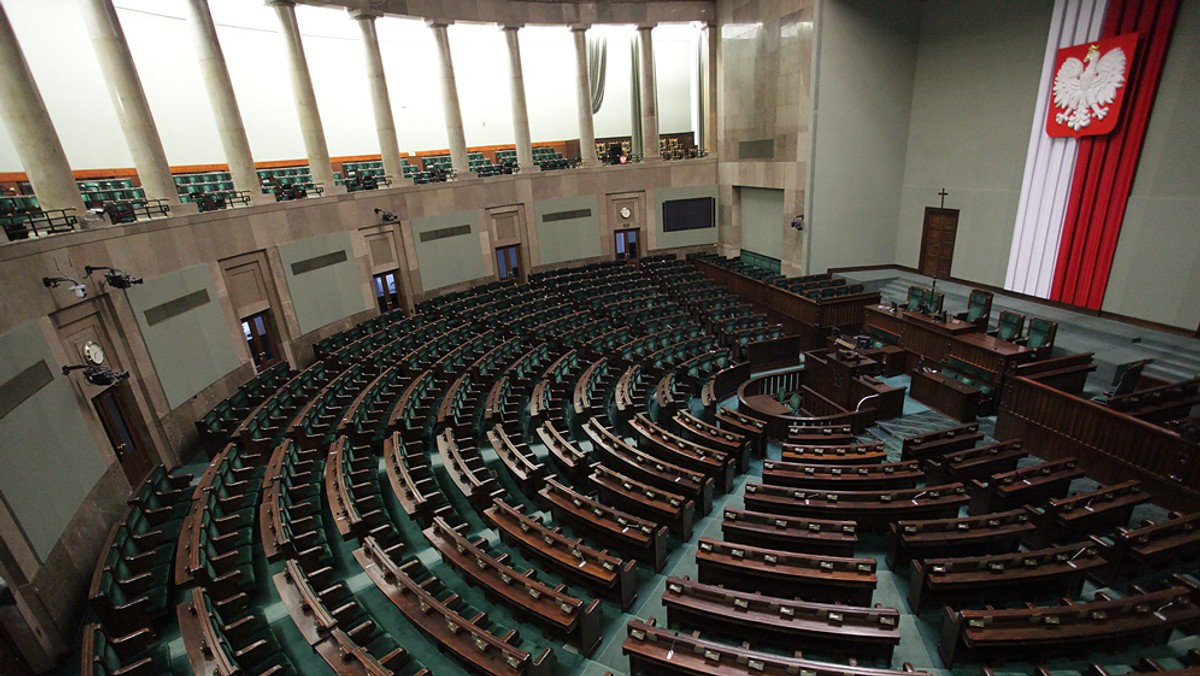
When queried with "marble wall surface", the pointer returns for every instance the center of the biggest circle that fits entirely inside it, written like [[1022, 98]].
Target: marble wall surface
[[765, 52]]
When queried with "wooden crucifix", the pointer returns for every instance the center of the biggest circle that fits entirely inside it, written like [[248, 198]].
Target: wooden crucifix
[[943, 194]]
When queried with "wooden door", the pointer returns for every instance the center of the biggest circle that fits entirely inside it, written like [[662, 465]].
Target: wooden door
[[387, 292], [112, 405], [259, 330], [937, 242], [626, 244], [508, 263]]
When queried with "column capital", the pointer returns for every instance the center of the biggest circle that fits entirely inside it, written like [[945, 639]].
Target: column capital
[[646, 26], [279, 2], [511, 26], [437, 23], [363, 14], [579, 27]]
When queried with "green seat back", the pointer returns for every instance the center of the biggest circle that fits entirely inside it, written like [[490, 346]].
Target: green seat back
[[916, 296], [977, 307], [1039, 333], [1010, 325]]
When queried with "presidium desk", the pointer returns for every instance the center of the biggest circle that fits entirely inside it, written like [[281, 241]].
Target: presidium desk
[[926, 337]]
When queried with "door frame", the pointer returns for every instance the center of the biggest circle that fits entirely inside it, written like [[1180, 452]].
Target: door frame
[[638, 242], [520, 277], [929, 211], [141, 460], [274, 340], [396, 275]]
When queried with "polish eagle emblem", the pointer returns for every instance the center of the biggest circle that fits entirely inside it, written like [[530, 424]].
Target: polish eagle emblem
[[1086, 91], [1089, 86]]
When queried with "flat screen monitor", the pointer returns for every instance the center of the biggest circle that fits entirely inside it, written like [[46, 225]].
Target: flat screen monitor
[[696, 213]]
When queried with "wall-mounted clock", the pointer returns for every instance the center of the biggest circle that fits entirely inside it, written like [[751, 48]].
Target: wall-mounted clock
[[626, 213], [92, 353]]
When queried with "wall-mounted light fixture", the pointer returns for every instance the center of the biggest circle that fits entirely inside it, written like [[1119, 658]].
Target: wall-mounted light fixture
[[78, 289]]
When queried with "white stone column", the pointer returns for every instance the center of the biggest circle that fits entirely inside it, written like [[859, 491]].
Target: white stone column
[[520, 109], [454, 124], [583, 90], [31, 129], [649, 96], [220, 95], [381, 102], [129, 99], [708, 40], [306, 99]]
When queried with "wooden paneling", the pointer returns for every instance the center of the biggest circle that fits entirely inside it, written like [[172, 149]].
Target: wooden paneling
[[810, 319], [756, 398], [1110, 445]]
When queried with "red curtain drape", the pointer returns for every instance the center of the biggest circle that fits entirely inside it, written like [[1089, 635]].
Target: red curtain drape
[[1105, 166]]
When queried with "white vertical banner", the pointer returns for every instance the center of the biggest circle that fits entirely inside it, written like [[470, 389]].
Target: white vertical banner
[[1050, 162]]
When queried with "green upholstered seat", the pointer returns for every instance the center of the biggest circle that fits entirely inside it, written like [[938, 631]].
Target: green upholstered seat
[[1041, 333], [126, 655], [1010, 326], [979, 308], [122, 609], [915, 297], [139, 558]]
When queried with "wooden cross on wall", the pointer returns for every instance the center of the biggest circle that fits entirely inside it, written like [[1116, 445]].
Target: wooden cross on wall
[[943, 194]]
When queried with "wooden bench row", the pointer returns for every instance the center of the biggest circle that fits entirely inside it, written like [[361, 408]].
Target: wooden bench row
[[552, 607], [619, 455], [435, 611], [811, 577], [768, 618], [337, 627], [633, 536], [871, 510], [1104, 624], [654, 650], [596, 569]]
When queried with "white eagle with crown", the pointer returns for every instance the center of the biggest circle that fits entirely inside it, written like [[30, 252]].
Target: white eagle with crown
[[1087, 91]]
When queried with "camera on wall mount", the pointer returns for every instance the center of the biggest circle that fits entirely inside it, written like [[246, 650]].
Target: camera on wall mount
[[798, 223], [117, 279], [100, 376], [386, 216]]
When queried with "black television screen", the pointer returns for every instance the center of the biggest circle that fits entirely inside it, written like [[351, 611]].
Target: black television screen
[[690, 214]]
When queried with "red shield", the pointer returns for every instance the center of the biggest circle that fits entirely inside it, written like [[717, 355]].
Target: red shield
[[1088, 86]]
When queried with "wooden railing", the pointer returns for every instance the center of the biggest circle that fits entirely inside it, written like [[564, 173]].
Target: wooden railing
[[776, 353], [811, 319], [728, 379], [778, 422], [1111, 446]]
